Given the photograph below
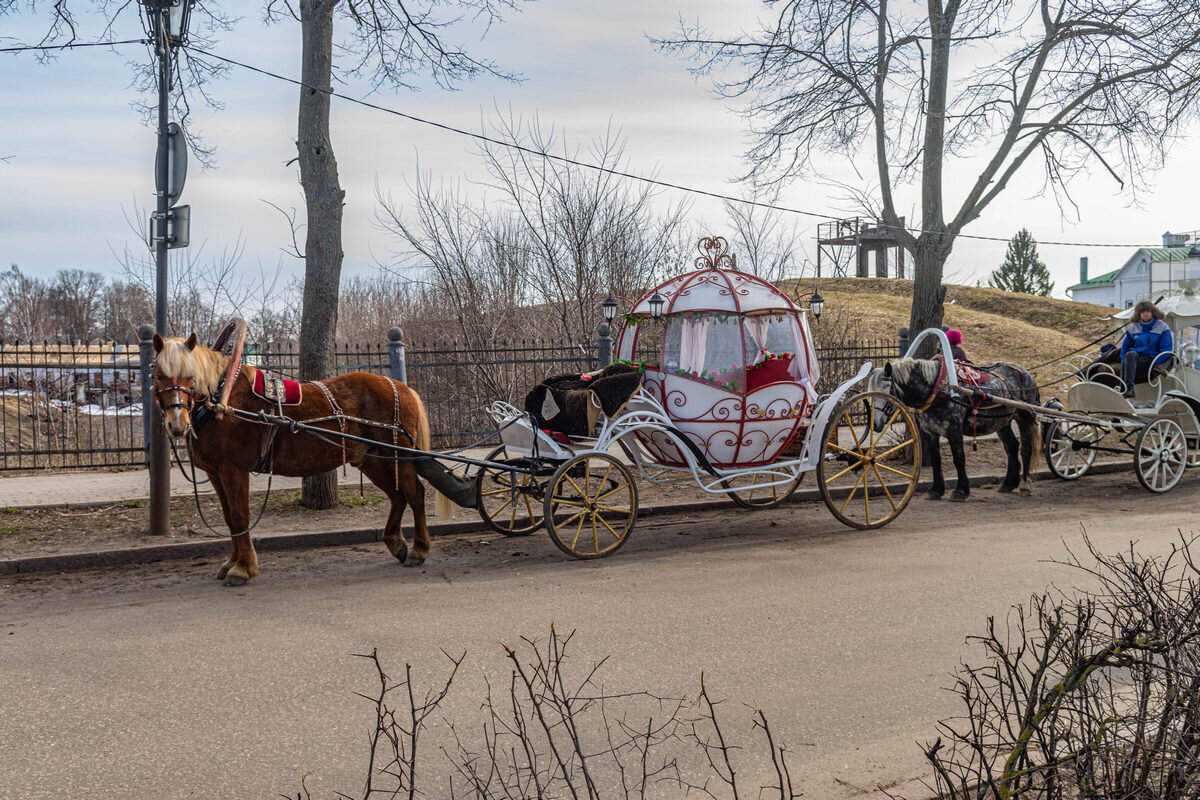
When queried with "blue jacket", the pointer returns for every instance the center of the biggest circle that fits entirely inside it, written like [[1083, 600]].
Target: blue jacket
[[1147, 338]]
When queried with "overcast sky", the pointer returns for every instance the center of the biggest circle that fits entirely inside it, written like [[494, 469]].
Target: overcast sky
[[79, 158]]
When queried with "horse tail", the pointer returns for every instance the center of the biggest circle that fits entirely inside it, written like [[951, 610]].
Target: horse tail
[[443, 508], [424, 437], [1037, 439]]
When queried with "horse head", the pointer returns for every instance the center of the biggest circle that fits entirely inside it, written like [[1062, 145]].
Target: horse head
[[910, 380], [174, 382]]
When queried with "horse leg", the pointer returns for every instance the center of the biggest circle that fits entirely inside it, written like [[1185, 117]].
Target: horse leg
[[1031, 440], [214, 479], [242, 565], [1012, 475], [962, 489], [933, 451], [410, 492]]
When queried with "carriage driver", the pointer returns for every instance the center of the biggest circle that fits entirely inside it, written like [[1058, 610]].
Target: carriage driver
[[1146, 337]]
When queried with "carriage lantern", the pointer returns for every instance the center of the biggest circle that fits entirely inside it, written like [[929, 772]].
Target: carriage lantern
[[816, 304], [656, 305]]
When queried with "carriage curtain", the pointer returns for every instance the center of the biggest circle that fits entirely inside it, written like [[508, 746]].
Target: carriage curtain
[[694, 344]]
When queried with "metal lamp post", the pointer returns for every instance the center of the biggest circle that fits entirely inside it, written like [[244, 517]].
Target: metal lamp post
[[166, 24], [604, 332]]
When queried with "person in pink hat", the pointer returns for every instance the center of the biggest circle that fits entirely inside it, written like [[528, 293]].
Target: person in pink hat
[[955, 337]]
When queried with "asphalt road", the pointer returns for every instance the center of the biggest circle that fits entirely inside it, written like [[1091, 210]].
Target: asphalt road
[[154, 681]]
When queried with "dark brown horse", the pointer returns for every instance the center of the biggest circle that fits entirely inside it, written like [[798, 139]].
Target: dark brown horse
[[230, 448]]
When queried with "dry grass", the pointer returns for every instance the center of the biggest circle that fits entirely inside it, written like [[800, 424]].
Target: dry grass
[[996, 325]]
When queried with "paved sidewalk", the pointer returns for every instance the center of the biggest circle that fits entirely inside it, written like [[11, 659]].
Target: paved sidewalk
[[60, 489]]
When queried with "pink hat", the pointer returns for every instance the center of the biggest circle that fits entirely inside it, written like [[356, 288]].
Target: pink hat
[[954, 335]]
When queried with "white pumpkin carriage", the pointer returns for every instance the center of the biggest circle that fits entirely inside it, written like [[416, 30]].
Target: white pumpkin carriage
[[729, 381]]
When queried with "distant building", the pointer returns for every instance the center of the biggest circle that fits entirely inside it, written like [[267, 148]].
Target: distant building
[[1150, 272]]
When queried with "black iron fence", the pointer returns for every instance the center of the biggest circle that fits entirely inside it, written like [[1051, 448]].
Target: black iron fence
[[75, 407]]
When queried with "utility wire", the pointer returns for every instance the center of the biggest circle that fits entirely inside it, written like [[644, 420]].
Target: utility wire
[[27, 47], [542, 154], [615, 172]]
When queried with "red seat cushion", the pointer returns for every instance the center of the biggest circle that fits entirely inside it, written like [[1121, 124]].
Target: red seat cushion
[[770, 371]]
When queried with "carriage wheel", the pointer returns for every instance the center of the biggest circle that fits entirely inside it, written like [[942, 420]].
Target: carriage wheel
[[867, 476], [1063, 457], [509, 502], [746, 492], [591, 505], [1160, 455]]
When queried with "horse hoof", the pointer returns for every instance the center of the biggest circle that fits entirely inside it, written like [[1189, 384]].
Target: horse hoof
[[934, 495], [401, 552], [235, 580], [222, 572], [414, 562], [1005, 489], [957, 498], [1024, 491]]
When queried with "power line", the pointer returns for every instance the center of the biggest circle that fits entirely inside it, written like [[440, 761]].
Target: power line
[[618, 173], [27, 47], [542, 154]]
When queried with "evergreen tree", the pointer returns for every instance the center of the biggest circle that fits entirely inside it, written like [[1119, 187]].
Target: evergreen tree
[[1022, 270]]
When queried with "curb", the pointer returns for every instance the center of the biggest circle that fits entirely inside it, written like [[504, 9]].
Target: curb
[[66, 562]]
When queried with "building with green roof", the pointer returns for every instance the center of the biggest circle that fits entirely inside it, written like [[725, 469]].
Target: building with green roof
[[1150, 272]]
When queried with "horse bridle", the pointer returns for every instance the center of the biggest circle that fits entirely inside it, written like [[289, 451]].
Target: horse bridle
[[175, 385]]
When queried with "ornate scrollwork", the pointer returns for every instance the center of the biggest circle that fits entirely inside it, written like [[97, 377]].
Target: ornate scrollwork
[[714, 254]]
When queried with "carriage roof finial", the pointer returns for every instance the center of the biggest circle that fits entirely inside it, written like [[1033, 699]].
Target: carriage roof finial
[[714, 254]]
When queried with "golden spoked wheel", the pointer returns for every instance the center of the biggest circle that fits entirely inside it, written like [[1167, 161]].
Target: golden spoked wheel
[[747, 491], [870, 460], [1066, 447], [1160, 455], [591, 505], [509, 502]]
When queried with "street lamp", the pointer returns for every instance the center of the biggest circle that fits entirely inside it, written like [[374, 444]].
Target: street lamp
[[166, 25], [609, 307], [176, 15], [816, 304]]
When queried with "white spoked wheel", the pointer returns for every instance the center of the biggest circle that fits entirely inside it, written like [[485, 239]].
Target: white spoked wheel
[[510, 501], [748, 492], [1068, 448], [870, 460], [591, 505], [1160, 455]]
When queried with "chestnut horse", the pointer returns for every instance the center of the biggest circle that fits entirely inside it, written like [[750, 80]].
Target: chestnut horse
[[230, 448]]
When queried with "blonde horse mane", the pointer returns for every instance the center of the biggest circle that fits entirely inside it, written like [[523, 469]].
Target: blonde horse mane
[[204, 366], [904, 368]]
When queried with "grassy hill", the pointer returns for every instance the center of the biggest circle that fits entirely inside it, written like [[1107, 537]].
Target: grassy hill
[[996, 325]]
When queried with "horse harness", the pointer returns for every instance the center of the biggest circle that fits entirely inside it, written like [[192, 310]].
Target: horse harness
[[970, 377]]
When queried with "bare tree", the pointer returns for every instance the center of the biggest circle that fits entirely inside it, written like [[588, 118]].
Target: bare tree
[[764, 243], [125, 307], [75, 297], [392, 43], [24, 307], [555, 237], [1078, 83]]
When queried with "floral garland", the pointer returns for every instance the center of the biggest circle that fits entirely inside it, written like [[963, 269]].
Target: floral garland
[[768, 357]]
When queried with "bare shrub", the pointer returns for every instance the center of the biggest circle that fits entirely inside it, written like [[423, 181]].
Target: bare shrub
[[1088, 694], [553, 730]]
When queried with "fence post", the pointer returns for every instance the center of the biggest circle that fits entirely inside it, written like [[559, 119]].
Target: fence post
[[603, 345], [396, 366], [903, 340], [145, 359]]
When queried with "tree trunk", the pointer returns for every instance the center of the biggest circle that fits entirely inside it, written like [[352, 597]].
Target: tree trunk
[[928, 291], [323, 197]]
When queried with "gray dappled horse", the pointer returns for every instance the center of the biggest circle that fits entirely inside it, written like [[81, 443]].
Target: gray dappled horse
[[918, 383]]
